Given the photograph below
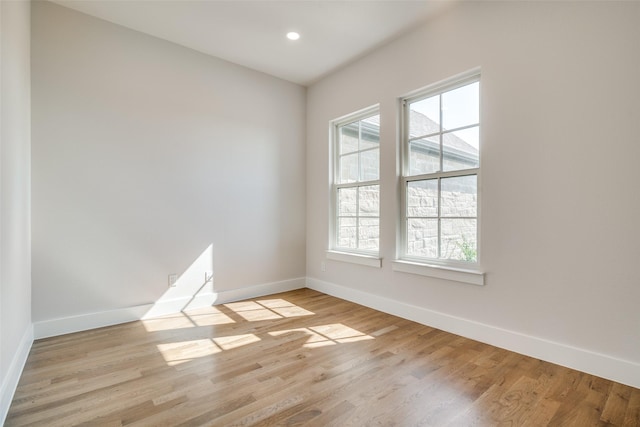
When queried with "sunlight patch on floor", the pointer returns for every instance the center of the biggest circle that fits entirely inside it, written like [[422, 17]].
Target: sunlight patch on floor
[[208, 316], [165, 323], [254, 312], [210, 319], [235, 341], [285, 308], [269, 309], [176, 353], [324, 335]]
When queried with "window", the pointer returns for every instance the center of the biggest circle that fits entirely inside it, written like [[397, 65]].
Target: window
[[356, 187], [441, 163]]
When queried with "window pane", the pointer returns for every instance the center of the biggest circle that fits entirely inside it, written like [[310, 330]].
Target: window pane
[[369, 233], [461, 149], [357, 207], [424, 117], [348, 168], [349, 138], [347, 201], [370, 167], [461, 107], [370, 132], [347, 233], [422, 237], [459, 239], [424, 156], [442, 145], [459, 196], [369, 200], [422, 198]]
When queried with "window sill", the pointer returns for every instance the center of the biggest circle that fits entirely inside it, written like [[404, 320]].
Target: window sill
[[368, 260], [472, 277]]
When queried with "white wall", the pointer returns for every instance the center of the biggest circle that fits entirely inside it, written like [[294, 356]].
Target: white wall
[[16, 332], [148, 157], [559, 203]]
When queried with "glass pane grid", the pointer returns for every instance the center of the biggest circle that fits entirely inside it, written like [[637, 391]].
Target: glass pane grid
[[429, 135], [359, 151], [460, 106], [458, 196], [348, 138], [357, 184], [347, 233], [358, 217], [441, 206], [470, 125], [452, 118]]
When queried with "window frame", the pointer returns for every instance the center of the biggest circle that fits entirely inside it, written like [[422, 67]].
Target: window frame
[[368, 257], [464, 271]]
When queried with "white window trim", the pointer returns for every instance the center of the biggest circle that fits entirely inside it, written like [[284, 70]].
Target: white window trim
[[355, 258], [335, 252], [473, 277], [460, 271]]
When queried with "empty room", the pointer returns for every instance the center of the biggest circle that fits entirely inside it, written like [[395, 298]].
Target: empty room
[[321, 213]]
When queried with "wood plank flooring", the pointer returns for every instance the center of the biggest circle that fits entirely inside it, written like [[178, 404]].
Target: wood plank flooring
[[301, 358]]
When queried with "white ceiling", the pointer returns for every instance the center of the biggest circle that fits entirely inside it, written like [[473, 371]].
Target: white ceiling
[[252, 33]]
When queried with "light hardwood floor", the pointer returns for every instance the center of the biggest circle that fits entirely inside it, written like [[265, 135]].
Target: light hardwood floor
[[301, 358]]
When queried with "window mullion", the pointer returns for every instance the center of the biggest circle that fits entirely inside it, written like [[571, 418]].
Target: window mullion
[[458, 129], [359, 150], [357, 217], [403, 242], [364, 150], [440, 137], [447, 174], [357, 213], [358, 184], [439, 218], [337, 176]]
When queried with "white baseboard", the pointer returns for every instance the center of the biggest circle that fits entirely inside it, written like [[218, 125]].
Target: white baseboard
[[261, 290], [83, 322], [602, 365], [220, 297], [10, 383]]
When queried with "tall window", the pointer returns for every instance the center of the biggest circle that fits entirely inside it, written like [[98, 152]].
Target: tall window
[[440, 173], [356, 187]]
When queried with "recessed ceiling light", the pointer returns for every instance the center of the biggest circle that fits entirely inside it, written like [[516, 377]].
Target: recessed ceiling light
[[292, 35]]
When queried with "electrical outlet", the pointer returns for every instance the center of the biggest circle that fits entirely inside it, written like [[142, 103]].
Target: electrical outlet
[[323, 266], [173, 278]]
